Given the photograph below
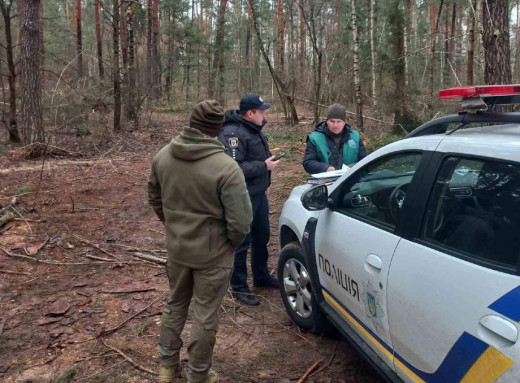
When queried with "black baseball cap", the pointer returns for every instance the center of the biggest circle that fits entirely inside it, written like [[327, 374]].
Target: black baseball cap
[[253, 101]]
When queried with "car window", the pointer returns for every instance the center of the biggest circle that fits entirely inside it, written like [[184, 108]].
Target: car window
[[378, 190], [474, 209]]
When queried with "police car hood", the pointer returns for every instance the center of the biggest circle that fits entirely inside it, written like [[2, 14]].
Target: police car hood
[[192, 145], [233, 117]]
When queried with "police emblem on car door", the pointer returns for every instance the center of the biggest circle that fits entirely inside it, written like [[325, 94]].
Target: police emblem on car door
[[372, 302]]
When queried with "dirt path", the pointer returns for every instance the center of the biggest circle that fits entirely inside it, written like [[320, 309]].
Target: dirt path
[[88, 221]]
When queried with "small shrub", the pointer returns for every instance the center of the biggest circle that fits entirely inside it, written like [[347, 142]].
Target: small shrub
[[22, 189]]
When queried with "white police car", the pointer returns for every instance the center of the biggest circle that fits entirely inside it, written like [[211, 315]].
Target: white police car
[[414, 253]]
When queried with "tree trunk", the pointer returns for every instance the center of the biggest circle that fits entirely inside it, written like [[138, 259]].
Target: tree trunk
[[218, 60], [318, 65], [149, 38], [115, 66], [405, 55], [123, 33], [372, 4], [281, 88], [156, 66], [189, 50], [432, 49], [98, 40], [517, 41], [453, 30], [73, 20], [432, 20], [445, 54], [169, 71], [209, 52], [408, 33], [301, 56], [480, 43], [337, 19], [396, 20], [281, 35], [292, 69], [12, 126], [248, 35], [357, 84], [30, 80], [42, 51], [78, 40], [310, 22], [497, 53], [132, 104], [123, 42], [471, 41]]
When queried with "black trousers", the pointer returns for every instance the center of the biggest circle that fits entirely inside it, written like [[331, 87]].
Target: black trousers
[[258, 239]]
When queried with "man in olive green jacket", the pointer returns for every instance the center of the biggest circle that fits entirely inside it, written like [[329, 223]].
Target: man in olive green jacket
[[200, 195]]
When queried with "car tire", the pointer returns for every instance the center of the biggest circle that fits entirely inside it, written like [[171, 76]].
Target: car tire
[[296, 289]]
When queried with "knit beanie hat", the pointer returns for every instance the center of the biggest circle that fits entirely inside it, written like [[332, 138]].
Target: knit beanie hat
[[337, 111], [208, 117]]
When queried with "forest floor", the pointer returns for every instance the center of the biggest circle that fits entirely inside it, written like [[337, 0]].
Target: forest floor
[[85, 308]]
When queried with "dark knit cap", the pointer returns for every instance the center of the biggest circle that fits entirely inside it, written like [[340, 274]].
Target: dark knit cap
[[208, 117], [337, 111]]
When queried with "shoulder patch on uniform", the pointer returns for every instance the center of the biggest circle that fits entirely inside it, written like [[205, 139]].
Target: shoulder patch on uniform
[[233, 142]]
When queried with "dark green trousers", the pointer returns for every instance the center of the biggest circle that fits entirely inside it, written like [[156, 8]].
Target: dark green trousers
[[207, 288]]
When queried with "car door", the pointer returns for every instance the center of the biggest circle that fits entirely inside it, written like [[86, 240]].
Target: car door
[[453, 288], [355, 242]]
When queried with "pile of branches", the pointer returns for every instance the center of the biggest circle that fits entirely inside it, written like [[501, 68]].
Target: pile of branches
[[38, 150]]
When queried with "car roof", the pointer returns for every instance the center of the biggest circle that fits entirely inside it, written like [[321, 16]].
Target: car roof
[[498, 141]]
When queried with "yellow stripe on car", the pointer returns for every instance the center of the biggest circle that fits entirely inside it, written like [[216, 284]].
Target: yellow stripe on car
[[488, 367]]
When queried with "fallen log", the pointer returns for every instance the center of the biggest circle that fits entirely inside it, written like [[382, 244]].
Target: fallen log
[[148, 257], [7, 217]]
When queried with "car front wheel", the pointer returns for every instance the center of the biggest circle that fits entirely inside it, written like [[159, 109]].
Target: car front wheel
[[296, 289]]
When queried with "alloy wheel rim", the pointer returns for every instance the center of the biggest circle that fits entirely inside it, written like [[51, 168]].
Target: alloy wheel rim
[[297, 287]]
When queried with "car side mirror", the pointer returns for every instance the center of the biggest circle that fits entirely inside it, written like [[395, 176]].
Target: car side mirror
[[316, 198]]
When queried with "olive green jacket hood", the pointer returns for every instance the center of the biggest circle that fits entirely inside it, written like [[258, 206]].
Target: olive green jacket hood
[[192, 145], [200, 194]]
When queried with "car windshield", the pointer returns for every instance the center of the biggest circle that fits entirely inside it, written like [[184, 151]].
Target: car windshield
[[385, 173]]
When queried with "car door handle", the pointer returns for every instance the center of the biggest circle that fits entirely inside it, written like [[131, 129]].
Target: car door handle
[[373, 263], [498, 331]]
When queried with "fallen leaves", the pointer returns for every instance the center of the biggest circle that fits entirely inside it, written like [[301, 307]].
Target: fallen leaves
[[58, 308], [33, 250]]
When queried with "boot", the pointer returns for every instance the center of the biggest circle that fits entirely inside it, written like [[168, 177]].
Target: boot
[[245, 297], [168, 374], [267, 282], [212, 377]]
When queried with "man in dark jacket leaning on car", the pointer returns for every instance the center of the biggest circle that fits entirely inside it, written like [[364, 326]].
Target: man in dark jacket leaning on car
[[245, 143], [333, 143], [200, 195]]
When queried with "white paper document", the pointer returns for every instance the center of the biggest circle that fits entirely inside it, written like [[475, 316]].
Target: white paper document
[[335, 173]]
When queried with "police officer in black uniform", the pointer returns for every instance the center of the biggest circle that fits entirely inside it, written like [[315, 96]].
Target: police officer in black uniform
[[244, 141]]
